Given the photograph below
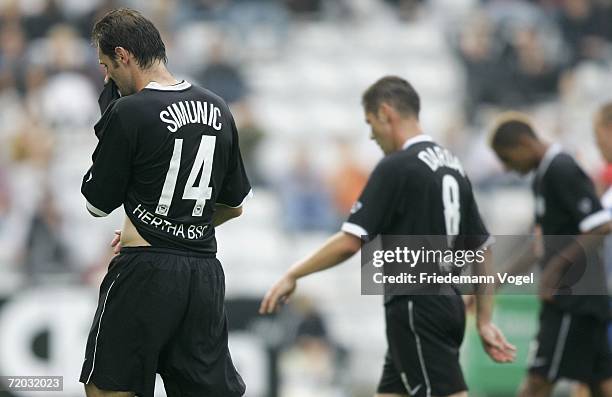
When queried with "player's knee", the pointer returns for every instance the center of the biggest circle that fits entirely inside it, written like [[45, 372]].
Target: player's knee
[[536, 386], [391, 395], [602, 389], [92, 390], [460, 394]]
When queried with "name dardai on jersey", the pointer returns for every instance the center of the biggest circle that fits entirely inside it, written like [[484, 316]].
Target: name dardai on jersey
[[436, 157]]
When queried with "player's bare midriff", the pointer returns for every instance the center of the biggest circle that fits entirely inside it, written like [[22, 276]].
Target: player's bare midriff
[[130, 236]]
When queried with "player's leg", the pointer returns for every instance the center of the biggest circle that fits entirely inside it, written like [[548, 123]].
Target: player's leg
[[580, 390], [535, 386], [196, 362], [550, 353], [92, 390], [603, 389], [138, 311], [460, 394], [390, 384], [602, 374], [569, 346], [425, 334]]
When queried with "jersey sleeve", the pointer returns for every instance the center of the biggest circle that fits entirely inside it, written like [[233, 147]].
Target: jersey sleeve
[[109, 94], [236, 186], [371, 212], [105, 183], [576, 193]]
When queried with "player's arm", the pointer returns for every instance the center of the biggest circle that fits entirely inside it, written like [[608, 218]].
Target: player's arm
[[223, 213], [110, 93], [105, 183], [334, 251], [493, 340], [236, 188], [524, 259], [477, 238], [558, 265], [368, 217]]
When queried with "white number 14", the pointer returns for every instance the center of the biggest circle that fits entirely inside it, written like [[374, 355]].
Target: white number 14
[[201, 193]]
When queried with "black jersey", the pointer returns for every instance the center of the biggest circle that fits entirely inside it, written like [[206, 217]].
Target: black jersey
[[169, 154], [566, 205], [566, 202], [421, 190]]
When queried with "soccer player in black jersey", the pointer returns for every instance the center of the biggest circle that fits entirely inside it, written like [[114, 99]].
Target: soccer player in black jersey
[[572, 340], [410, 192], [168, 152]]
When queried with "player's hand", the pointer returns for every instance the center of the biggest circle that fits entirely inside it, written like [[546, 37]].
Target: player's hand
[[495, 344], [279, 293], [116, 243]]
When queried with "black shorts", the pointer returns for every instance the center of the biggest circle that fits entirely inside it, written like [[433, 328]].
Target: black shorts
[[571, 346], [161, 311], [424, 334]]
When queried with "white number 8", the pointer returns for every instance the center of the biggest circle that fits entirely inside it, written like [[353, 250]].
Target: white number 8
[[450, 200]]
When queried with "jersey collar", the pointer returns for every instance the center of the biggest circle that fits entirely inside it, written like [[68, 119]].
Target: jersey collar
[[183, 85], [416, 139], [552, 152]]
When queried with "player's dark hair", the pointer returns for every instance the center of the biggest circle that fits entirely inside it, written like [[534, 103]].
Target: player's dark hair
[[508, 132], [127, 28], [395, 92]]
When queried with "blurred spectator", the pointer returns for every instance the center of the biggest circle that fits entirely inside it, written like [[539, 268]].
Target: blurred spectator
[[347, 180], [37, 25], [586, 28], [62, 50], [206, 8], [32, 144], [251, 135], [221, 76], [12, 57], [302, 8], [534, 78], [59, 108], [514, 63], [29, 153], [84, 24], [44, 251], [306, 203], [312, 366], [61, 71], [480, 52], [5, 207], [406, 9], [4, 195]]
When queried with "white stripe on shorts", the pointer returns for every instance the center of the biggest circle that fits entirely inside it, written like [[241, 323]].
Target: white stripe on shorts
[[419, 349], [93, 362], [561, 339]]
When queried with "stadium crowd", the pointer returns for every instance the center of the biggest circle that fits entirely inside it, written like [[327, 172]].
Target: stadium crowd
[[547, 57]]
